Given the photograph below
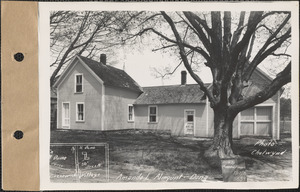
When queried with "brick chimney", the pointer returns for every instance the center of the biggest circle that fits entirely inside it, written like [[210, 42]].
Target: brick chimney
[[183, 77], [103, 59]]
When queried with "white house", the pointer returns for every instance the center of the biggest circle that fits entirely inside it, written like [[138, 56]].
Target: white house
[[94, 96]]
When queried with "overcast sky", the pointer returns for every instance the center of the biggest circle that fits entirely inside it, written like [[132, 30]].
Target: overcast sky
[[139, 66]]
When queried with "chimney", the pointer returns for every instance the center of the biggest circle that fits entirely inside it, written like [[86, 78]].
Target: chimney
[[183, 77], [103, 59]]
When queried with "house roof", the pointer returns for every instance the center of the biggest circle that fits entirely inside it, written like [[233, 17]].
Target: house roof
[[53, 93], [171, 94], [111, 76]]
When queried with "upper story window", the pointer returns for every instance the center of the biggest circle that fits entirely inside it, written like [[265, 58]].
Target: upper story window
[[152, 114], [78, 83], [80, 116], [130, 113]]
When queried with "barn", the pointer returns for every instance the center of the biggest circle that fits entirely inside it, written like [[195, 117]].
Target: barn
[[94, 96]]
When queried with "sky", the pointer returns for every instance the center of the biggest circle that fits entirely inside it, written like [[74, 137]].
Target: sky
[[139, 65]]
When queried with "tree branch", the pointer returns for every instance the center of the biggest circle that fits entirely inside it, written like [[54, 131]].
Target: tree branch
[[168, 73], [199, 32], [237, 33], [164, 47], [254, 19], [90, 39], [281, 79], [197, 49], [216, 39], [260, 56], [185, 60], [226, 63], [70, 49], [280, 54]]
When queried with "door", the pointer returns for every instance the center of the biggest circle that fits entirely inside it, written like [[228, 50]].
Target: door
[[66, 115], [189, 122]]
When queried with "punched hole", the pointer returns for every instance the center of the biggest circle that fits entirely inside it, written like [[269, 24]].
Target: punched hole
[[18, 134], [19, 57]]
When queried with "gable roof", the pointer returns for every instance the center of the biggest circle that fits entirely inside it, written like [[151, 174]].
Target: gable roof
[[110, 76], [263, 74], [173, 94]]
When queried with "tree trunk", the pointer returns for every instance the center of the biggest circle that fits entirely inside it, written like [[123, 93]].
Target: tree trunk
[[222, 142]]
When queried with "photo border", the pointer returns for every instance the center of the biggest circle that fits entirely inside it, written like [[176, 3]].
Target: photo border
[[44, 73]]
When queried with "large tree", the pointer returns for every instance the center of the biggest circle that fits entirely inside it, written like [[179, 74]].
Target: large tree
[[232, 45]]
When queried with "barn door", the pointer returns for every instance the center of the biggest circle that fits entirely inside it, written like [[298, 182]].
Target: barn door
[[257, 121], [189, 122]]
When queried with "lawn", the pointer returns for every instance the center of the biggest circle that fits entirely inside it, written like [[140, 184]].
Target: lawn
[[146, 156]]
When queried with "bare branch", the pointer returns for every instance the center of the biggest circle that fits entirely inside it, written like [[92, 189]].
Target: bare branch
[[197, 49], [198, 30], [254, 19], [281, 79], [90, 39], [281, 54], [251, 46], [201, 22], [185, 60], [69, 50], [216, 39], [164, 47], [262, 54], [168, 73], [237, 33], [57, 58]]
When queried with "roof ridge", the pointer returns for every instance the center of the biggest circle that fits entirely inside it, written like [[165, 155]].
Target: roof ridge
[[109, 66], [108, 74]]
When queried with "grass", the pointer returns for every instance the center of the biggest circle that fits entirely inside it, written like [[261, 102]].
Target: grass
[[163, 157]]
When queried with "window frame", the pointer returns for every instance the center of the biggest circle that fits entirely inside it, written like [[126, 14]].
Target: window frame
[[128, 113], [156, 114], [75, 87], [77, 112], [255, 120]]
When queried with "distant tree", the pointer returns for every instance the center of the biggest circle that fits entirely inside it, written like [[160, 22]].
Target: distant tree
[[86, 33], [232, 45], [285, 109]]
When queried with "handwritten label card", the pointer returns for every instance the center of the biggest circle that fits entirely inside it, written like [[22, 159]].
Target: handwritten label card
[[82, 163]]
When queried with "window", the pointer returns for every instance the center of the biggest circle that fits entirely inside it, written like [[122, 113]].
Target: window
[[78, 83], [80, 112], [152, 111], [190, 118], [130, 113], [256, 121]]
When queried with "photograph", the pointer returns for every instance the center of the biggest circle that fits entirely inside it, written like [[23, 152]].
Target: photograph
[[177, 96]]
